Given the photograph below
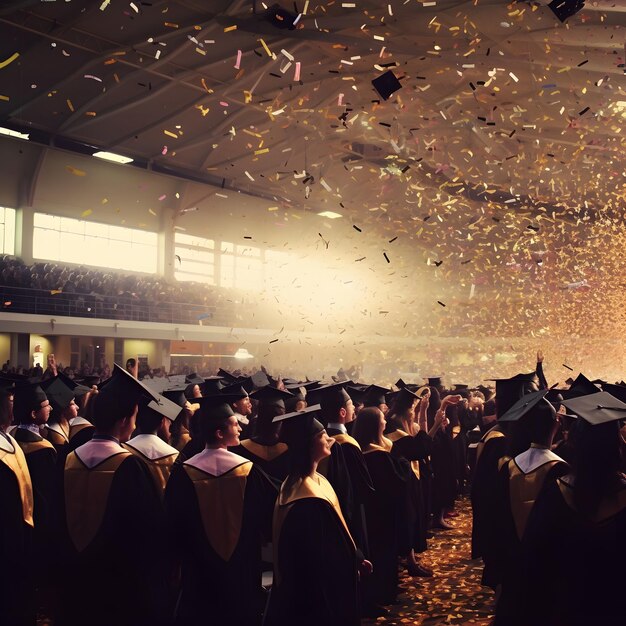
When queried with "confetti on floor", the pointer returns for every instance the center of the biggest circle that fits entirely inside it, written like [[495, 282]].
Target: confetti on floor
[[454, 594]]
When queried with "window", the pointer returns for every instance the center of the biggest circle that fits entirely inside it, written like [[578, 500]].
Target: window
[[240, 266], [69, 240], [195, 259], [7, 230]]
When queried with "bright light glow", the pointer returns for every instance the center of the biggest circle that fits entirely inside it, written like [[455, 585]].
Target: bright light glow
[[242, 353], [111, 156], [330, 215], [13, 133]]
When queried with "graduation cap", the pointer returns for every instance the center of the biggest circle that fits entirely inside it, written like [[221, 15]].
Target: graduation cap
[[59, 394], [566, 8], [330, 396], [158, 385], [617, 391], [374, 395], [88, 381], [460, 387], [434, 381], [76, 385], [256, 381], [123, 383], [525, 405], [163, 406], [271, 396], [582, 386], [211, 385], [299, 427], [356, 392], [236, 389], [28, 395], [194, 379], [227, 375], [597, 408], [216, 408], [510, 390], [297, 390], [386, 84], [486, 391], [176, 395]]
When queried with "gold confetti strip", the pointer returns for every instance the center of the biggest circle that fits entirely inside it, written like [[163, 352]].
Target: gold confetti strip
[[9, 60]]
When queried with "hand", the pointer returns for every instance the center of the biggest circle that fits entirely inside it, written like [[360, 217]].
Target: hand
[[455, 399], [539, 356], [52, 364]]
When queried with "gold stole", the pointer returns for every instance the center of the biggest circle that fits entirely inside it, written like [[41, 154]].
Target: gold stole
[[54, 437], [221, 500], [86, 495], [33, 446], [16, 462], [160, 469], [609, 507], [267, 453], [342, 438], [74, 430], [374, 447], [183, 439], [303, 488], [523, 491], [398, 434], [492, 434]]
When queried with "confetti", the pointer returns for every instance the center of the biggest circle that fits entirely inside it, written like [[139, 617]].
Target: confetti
[[9, 60]]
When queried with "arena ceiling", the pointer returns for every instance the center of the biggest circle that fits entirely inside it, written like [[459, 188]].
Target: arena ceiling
[[501, 154]]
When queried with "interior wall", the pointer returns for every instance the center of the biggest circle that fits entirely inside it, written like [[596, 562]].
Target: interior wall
[[5, 348], [152, 349]]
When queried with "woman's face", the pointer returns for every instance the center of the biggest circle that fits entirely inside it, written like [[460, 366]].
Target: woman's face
[[320, 446], [382, 423]]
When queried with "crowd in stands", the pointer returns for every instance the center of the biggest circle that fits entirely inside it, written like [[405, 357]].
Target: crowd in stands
[[89, 292]]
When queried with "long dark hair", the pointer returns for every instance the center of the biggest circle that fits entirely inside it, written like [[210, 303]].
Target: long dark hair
[[366, 426], [597, 463]]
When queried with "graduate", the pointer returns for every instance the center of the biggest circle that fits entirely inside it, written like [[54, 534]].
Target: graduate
[[490, 449], [573, 551], [17, 601], [31, 409], [384, 507], [150, 443], [219, 507], [111, 520], [64, 410], [265, 449], [413, 442], [522, 479], [315, 558]]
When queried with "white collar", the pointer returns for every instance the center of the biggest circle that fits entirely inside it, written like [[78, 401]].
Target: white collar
[[75, 421], [97, 450], [7, 443], [340, 427], [34, 428], [56, 427], [216, 461], [242, 419], [535, 457], [151, 446]]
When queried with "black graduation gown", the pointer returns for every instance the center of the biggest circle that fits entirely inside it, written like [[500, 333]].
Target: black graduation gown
[[80, 433], [114, 528], [17, 602], [383, 508], [221, 572], [41, 458], [191, 448], [518, 493], [414, 518], [273, 460], [444, 465], [491, 448], [362, 487], [315, 561], [572, 565]]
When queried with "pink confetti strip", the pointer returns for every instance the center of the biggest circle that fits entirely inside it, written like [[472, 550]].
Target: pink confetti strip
[[296, 75], [238, 63]]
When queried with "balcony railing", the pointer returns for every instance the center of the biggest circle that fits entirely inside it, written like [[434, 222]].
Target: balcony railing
[[43, 302]]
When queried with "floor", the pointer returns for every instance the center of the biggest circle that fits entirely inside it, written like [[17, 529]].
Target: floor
[[454, 595]]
